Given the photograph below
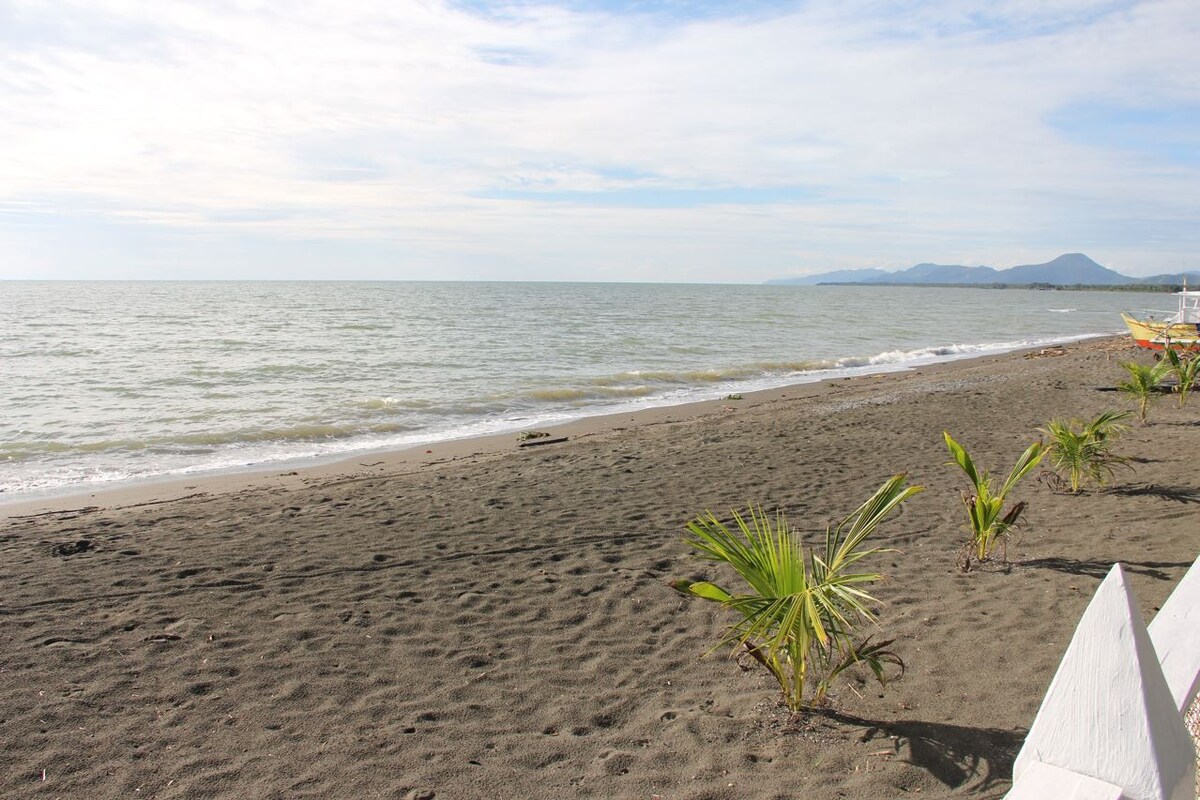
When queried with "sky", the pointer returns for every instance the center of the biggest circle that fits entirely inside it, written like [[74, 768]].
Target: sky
[[613, 140]]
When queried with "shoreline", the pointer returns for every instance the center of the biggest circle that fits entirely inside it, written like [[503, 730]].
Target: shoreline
[[392, 460], [286, 473]]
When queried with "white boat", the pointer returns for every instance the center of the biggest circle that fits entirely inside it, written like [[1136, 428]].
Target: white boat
[[1180, 331]]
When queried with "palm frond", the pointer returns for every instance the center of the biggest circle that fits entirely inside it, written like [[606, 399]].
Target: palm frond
[[1028, 460]]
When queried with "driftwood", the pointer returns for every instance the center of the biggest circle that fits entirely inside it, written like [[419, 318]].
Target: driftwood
[[538, 442]]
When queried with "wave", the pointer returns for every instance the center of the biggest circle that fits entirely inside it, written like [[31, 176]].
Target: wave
[[595, 393], [645, 388], [706, 376], [202, 442], [387, 403], [56, 353], [643, 382]]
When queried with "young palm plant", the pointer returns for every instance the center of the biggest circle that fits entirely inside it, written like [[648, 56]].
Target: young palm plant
[[1083, 451], [799, 615], [1184, 368], [989, 521], [1144, 383]]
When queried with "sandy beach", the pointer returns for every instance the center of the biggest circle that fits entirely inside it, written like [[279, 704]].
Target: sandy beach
[[483, 620]]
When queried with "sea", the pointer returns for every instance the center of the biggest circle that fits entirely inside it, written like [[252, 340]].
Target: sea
[[104, 383]]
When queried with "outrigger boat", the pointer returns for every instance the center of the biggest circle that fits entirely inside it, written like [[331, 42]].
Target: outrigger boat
[[1180, 331]]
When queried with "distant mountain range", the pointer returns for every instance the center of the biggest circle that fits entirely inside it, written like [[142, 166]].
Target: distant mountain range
[[1068, 269]]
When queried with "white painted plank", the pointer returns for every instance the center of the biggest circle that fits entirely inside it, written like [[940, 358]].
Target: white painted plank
[[1042, 781], [1175, 631]]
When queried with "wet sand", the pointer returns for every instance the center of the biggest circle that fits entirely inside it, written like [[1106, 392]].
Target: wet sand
[[490, 621]]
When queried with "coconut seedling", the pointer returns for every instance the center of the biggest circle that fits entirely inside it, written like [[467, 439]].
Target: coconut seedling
[[799, 614], [1184, 367], [1083, 451], [1144, 384], [989, 521]]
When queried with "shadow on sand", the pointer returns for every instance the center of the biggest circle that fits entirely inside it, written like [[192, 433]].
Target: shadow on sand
[[953, 754], [1180, 494], [1099, 567]]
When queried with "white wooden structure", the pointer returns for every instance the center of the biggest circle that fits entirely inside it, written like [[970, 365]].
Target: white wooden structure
[[1175, 631], [1111, 726]]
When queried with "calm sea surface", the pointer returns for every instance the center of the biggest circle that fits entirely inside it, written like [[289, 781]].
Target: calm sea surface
[[103, 382]]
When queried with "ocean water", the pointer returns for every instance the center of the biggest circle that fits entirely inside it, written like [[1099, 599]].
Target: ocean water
[[111, 381]]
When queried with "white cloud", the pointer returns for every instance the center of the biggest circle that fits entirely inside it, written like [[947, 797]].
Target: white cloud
[[916, 132]]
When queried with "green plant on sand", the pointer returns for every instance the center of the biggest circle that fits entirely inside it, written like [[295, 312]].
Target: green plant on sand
[[1144, 383], [1184, 366], [799, 616], [989, 522], [1083, 451]]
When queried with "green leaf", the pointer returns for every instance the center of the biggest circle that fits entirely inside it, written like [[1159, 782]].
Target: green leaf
[[962, 459], [709, 591]]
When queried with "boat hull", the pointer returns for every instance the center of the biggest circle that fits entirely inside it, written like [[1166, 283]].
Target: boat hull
[[1155, 335]]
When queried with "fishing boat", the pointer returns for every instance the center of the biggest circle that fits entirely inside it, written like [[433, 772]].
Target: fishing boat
[[1180, 331]]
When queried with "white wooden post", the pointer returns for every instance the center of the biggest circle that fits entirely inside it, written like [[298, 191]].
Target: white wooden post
[[1109, 715], [1175, 631]]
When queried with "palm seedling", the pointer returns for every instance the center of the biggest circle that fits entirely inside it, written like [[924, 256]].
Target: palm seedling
[[1184, 368], [1144, 383], [989, 522], [1083, 451], [798, 615]]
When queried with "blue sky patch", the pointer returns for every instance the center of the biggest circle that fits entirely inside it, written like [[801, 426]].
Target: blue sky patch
[[676, 10], [644, 197], [1171, 133]]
